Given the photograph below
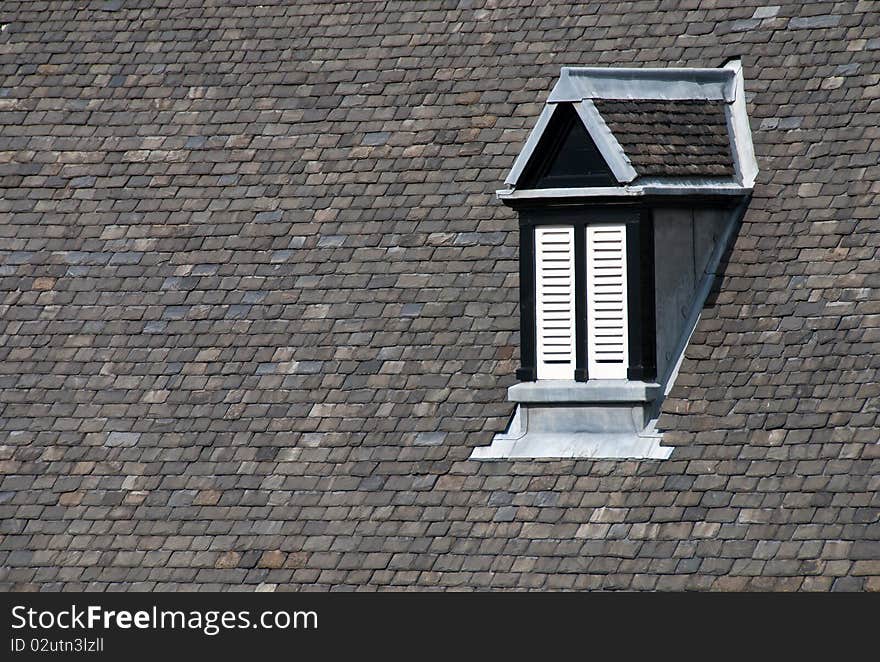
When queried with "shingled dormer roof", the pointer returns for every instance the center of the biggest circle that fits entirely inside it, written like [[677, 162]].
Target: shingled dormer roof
[[682, 138], [660, 131]]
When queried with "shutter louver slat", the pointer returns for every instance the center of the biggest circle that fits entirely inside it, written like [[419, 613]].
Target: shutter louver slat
[[554, 263], [607, 354]]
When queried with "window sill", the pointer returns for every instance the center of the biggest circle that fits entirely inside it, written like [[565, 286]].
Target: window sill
[[592, 392]]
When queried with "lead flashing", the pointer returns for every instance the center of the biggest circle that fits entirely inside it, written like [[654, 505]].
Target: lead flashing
[[621, 446], [669, 84], [593, 391], [743, 150]]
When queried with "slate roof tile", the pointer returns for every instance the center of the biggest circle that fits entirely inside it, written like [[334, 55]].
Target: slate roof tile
[[671, 138], [256, 246]]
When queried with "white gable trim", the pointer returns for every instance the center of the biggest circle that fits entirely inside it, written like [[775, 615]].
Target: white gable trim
[[531, 143], [595, 127]]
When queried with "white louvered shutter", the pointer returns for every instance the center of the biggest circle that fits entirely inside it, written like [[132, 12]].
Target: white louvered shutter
[[607, 351], [554, 262]]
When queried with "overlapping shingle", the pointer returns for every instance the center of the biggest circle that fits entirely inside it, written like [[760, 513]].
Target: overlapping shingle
[[671, 138], [258, 304]]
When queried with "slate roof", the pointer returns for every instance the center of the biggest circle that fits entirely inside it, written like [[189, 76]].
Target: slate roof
[[671, 138], [258, 303]]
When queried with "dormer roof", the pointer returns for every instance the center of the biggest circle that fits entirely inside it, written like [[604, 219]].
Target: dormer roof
[[671, 131]]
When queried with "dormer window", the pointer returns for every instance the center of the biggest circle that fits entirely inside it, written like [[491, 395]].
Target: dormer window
[[585, 276], [628, 190]]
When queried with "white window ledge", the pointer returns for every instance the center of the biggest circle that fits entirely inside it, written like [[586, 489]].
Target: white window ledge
[[593, 391]]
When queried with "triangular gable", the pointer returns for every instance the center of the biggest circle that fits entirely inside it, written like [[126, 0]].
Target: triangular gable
[[570, 147], [566, 156], [559, 160]]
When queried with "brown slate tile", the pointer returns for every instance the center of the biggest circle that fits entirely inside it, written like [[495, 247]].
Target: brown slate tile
[[256, 317]]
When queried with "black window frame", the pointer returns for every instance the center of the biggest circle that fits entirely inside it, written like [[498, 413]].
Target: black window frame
[[641, 297]]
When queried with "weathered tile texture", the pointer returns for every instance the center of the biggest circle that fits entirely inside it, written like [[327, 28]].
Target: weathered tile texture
[[671, 138], [258, 303]]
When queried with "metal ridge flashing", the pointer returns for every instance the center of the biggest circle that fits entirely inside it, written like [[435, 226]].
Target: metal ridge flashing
[[672, 83]]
